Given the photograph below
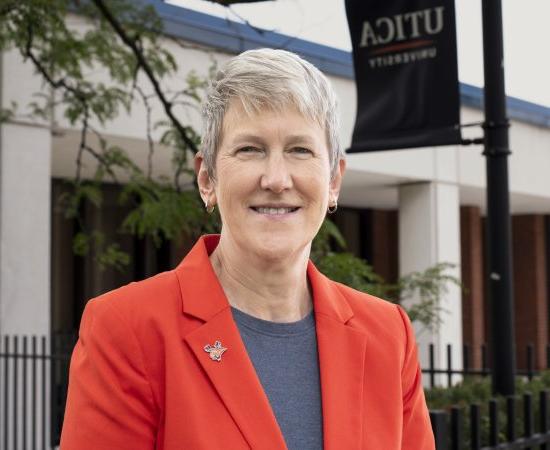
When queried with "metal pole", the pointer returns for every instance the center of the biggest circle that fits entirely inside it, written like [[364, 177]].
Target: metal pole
[[498, 203]]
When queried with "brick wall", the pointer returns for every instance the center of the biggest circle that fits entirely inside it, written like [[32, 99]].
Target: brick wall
[[473, 314], [530, 287]]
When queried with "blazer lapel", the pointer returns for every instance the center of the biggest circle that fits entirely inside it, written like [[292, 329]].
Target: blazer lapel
[[342, 351], [234, 376]]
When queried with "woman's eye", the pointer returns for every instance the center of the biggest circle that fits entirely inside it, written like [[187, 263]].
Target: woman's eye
[[302, 151], [248, 150]]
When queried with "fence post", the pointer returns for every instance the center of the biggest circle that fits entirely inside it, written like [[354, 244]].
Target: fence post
[[54, 340], [527, 415], [466, 358], [5, 408], [43, 357], [24, 387], [15, 405], [432, 366], [457, 428], [449, 366], [475, 427], [543, 400], [511, 418], [530, 365], [493, 422], [440, 429]]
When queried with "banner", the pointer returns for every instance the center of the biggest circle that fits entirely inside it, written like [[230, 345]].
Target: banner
[[404, 53]]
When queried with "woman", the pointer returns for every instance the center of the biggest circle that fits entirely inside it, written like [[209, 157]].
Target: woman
[[245, 345]]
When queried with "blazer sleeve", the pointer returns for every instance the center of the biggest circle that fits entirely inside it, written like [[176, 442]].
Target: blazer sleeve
[[417, 429], [110, 404]]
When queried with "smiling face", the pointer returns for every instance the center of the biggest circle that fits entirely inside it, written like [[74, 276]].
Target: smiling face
[[272, 183]]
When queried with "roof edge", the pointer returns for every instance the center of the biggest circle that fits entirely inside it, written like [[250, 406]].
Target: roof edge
[[234, 37]]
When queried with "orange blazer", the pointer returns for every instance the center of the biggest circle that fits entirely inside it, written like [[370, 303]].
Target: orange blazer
[[140, 378]]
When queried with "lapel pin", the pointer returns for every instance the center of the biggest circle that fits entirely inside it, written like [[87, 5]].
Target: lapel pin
[[215, 351]]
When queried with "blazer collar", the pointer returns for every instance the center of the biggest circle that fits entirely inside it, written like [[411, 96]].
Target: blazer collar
[[201, 293], [203, 296], [342, 350]]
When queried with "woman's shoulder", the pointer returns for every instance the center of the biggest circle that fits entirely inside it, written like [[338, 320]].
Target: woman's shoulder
[[138, 300], [371, 312], [362, 301]]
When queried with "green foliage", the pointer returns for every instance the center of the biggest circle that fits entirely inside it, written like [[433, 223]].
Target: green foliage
[[352, 271], [112, 256], [474, 389], [428, 286], [81, 244], [419, 293], [6, 114], [72, 201], [162, 212], [122, 39], [64, 57], [108, 254], [321, 245]]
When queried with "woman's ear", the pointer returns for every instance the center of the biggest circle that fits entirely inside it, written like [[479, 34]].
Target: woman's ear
[[204, 180], [336, 181]]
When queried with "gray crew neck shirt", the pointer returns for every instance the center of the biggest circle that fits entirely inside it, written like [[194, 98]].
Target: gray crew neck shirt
[[286, 361]]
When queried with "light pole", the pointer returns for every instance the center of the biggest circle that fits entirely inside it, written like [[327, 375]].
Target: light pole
[[498, 230]]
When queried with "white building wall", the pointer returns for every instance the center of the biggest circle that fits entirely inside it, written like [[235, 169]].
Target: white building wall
[[429, 234], [25, 211]]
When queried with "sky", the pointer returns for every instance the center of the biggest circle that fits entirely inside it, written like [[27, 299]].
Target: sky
[[525, 22]]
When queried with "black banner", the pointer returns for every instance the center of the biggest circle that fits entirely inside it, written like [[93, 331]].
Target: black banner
[[404, 52]]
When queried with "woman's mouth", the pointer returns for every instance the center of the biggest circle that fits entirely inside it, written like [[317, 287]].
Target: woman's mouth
[[274, 210]]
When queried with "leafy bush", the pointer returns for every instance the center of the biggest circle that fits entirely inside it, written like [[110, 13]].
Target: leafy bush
[[419, 293], [474, 389]]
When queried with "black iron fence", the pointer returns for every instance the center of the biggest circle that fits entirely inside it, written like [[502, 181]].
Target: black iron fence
[[451, 373], [33, 389], [499, 429], [34, 380]]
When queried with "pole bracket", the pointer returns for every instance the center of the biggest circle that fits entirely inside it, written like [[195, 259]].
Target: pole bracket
[[474, 141], [491, 125], [497, 151]]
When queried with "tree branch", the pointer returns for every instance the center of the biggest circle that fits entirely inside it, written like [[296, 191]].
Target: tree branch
[[4, 11], [144, 65], [55, 84], [83, 145], [82, 98], [150, 141]]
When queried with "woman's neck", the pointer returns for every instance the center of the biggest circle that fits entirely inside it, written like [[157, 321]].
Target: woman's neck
[[277, 291]]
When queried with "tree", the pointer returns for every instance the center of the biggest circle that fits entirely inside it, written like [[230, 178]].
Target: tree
[[124, 40]]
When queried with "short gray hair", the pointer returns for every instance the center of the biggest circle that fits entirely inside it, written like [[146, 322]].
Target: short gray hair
[[274, 79]]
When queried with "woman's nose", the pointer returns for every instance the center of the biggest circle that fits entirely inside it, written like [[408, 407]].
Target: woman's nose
[[276, 175]]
